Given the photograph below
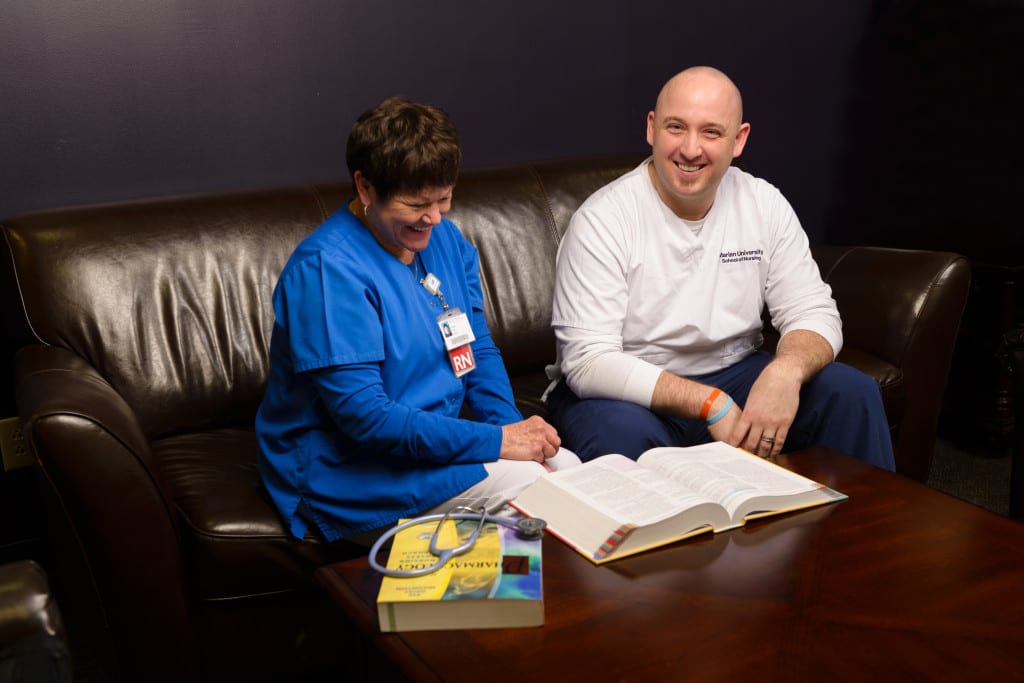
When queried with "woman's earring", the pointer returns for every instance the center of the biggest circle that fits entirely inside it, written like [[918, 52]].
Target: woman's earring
[[366, 210]]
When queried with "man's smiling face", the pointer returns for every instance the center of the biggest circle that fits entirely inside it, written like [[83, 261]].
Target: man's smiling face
[[695, 131]]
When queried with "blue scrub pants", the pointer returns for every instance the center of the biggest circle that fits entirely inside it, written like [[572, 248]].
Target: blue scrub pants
[[840, 407]]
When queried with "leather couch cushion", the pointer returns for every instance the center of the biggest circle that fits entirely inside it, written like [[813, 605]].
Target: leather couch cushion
[[236, 545]]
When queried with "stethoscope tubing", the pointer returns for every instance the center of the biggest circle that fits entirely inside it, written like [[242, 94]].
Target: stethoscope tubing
[[444, 555]]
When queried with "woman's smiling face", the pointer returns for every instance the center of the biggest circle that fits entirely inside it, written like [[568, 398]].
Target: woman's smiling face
[[403, 223]]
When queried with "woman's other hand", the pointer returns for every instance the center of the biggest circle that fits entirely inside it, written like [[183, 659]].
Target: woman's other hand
[[531, 439]]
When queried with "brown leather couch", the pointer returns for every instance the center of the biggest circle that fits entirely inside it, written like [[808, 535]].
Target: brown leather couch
[[144, 328]]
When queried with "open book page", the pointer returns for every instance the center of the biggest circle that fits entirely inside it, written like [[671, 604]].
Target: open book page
[[612, 507], [627, 492], [742, 483]]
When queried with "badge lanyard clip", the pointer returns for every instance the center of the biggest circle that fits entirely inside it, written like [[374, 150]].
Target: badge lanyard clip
[[432, 284]]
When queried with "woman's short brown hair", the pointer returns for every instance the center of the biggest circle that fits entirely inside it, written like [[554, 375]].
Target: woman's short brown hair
[[403, 146]]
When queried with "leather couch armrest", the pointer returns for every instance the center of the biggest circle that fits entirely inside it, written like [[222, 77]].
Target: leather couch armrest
[[97, 468], [33, 641], [903, 306], [26, 606]]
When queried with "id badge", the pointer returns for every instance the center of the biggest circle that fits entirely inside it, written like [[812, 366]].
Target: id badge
[[457, 334], [455, 328]]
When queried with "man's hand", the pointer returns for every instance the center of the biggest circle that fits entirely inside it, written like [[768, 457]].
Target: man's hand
[[771, 407], [762, 425], [531, 439], [775, 395]]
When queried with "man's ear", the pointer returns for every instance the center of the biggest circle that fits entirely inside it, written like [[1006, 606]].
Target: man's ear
[[650, 128], [741, 140]]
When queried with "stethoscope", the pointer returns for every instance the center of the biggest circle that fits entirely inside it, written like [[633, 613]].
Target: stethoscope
[[526, 527]]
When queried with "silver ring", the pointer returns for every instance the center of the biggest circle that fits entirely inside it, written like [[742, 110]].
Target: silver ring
[[768, 439]]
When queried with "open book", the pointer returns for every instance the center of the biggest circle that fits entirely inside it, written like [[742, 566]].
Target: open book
[[611, 506]]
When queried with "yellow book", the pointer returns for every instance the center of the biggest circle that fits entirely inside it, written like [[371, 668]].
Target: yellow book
[[611, 506], [496, 584]]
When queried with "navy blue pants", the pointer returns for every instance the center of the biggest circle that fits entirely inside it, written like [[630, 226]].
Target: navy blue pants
[[840, 407]]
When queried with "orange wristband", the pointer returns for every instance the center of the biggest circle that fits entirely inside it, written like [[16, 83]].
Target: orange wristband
[[708, 403]]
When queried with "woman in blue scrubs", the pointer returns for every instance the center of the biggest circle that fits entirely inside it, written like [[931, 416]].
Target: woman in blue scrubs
[[379, 338]]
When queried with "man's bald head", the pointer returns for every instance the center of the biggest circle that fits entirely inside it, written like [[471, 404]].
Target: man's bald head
[[705, 79]]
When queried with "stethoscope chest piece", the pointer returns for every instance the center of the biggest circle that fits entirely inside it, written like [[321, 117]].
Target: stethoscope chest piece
[[531, 527]]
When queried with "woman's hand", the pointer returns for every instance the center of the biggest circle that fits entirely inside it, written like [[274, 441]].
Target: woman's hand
[[531, 439]]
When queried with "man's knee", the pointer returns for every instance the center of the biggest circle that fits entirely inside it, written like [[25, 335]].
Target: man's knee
[[844, 381], [850, 415]]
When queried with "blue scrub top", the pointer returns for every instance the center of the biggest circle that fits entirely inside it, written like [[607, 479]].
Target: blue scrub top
[[359, 425]]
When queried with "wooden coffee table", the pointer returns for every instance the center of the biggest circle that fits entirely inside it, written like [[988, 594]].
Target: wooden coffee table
[[900, 582]]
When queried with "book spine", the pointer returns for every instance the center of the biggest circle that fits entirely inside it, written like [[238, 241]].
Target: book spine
[[613, 541]]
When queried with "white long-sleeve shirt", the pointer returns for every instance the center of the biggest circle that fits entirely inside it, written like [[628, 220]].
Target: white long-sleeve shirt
[[637, 292]]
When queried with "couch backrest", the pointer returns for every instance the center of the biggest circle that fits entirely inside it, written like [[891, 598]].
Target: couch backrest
[[515, 217], [170, 298]]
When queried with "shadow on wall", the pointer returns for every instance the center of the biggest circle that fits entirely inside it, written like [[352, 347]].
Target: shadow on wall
[[930, 158]]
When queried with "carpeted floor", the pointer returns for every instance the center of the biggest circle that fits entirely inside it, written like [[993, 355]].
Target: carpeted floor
[[980, 477]]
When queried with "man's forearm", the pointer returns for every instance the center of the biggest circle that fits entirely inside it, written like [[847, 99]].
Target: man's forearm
[[803, 353], [678, 396], [594, 366]]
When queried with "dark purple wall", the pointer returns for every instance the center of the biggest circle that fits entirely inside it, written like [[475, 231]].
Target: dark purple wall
[[857, 107], [105, 100], [933, 155]]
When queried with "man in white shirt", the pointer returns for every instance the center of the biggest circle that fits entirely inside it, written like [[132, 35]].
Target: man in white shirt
[[662, 277]]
